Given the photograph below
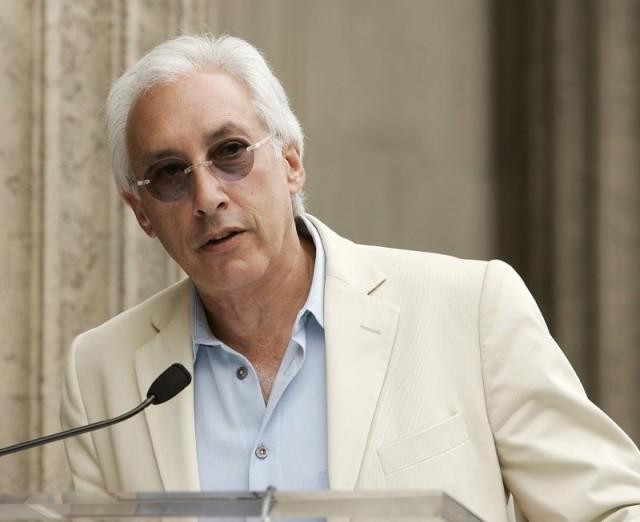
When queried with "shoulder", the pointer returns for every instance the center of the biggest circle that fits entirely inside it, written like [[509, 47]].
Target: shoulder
[[415, 278], [430, 273], [426, 263], [135, 326], [347, 260]]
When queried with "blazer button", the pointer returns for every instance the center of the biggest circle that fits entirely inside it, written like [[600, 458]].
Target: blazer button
[[262, 452]]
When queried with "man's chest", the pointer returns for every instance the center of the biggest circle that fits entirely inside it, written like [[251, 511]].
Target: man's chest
[[247, 443]]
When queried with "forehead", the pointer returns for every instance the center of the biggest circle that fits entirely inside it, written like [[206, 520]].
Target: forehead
[[197, 104]]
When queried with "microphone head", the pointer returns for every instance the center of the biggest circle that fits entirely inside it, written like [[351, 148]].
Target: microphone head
[[169, 383]]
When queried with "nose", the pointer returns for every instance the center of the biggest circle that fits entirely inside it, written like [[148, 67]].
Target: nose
[[208, 193]]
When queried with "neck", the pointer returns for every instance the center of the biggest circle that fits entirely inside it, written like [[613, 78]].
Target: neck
[[258, 321]]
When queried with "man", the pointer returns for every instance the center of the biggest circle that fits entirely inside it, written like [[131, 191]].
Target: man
[[318, 363]]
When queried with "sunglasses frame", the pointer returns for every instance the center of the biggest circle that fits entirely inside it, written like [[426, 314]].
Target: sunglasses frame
[[146, 182]]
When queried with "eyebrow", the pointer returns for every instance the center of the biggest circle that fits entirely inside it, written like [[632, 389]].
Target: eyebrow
[[222, 132], [226, 129]]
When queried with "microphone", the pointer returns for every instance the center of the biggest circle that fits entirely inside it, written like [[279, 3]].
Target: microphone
[[166, 386]]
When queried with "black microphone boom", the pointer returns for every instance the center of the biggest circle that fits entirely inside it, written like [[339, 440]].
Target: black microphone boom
[[166, 386]]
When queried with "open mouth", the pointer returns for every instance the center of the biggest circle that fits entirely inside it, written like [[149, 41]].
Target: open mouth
[[221, 239]]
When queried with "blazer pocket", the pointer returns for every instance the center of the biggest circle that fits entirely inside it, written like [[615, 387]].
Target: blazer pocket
[[423, 445]]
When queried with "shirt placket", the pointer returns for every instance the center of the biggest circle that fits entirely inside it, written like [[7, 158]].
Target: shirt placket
[[265, 467]]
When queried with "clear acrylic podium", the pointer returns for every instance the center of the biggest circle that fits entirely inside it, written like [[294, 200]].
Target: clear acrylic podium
[[427, 506]]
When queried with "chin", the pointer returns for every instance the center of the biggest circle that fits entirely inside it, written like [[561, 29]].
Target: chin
[[232, 276]]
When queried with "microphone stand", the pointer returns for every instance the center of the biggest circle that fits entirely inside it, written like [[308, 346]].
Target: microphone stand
[[166, 386], [77, 431]]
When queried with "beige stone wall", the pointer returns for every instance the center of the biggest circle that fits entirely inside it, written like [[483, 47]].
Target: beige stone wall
[[397, 114]]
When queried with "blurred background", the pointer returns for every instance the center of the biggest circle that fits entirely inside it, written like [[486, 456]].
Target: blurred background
[[477, 128]]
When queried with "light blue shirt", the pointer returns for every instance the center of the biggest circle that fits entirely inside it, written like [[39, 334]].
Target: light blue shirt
[[243, 444]]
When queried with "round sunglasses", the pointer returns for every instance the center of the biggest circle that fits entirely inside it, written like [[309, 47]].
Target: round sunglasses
[[230, 161]]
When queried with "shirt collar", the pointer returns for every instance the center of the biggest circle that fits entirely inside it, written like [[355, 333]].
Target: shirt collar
[[315, 299], [314, 305]]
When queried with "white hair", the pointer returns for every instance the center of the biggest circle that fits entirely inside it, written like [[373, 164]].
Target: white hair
[[176, 58]]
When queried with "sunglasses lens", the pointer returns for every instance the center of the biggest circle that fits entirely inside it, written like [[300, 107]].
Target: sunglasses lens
[[168, 184], [232, 161]]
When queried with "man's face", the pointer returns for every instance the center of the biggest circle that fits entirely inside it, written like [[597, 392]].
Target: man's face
[[225, 235]]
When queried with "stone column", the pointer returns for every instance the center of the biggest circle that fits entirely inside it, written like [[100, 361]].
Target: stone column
[[617, 210], [568, 189], [73, 254]]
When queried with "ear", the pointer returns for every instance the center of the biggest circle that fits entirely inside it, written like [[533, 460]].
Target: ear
[[295, 169], [136, 206]]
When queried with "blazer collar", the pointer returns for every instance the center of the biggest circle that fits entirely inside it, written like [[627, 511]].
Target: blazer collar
[[360, 330], [345, 261]]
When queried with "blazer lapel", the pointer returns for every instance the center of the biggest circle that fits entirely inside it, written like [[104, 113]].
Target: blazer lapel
[[171, 424], [359, 334]]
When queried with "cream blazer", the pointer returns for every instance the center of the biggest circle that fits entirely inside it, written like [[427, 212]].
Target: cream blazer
[[441, 374]]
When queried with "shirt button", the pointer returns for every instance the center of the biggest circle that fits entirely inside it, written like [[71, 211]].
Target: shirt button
[[262, 452], [241, 372]]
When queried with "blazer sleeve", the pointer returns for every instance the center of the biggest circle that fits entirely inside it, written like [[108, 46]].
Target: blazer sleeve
[[561, 457], [80, 450]]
